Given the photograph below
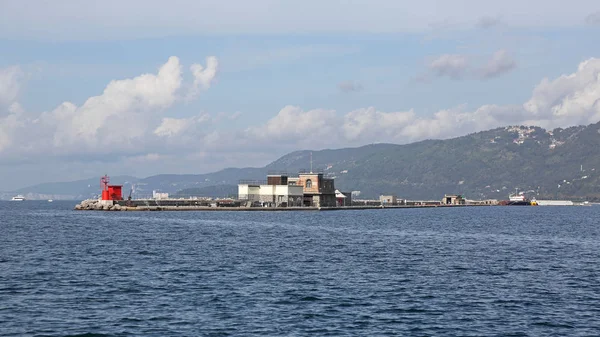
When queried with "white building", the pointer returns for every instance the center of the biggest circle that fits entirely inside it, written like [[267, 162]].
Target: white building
[[271, 195], [159, 195]]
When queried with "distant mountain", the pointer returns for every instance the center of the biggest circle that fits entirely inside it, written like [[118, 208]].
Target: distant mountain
[[560, 163], [217, 191]]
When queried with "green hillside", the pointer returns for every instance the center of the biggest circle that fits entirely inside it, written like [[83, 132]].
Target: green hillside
[[561, 163]]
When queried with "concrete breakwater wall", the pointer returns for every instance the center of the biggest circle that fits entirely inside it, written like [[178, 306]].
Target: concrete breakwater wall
[[146, 205]]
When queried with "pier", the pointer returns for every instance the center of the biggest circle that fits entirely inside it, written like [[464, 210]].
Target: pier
[[201, 205]]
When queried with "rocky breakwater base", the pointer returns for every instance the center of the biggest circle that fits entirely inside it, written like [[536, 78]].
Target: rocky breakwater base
[[98, 205]]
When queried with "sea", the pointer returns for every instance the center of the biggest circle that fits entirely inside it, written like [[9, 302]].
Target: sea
[[474, 271]]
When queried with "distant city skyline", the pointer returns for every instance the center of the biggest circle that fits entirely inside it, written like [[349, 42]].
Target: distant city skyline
[[148, 87]]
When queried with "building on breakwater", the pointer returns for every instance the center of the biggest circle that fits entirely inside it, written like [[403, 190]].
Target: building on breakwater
[[308, 189]]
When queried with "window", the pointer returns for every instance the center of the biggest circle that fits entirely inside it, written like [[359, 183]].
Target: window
[[308, 183]]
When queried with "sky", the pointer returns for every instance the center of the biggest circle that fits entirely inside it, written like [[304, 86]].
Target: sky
[[148, 87]]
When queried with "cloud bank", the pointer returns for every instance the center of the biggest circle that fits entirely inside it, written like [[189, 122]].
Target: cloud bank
[[456, 66], [122, 119], [130, 119]]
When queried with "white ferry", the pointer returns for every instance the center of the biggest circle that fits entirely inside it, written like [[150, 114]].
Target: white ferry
[[519, 200], [18, 198]]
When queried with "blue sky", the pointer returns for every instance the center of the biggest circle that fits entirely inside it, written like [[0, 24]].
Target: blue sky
[[286, 76]]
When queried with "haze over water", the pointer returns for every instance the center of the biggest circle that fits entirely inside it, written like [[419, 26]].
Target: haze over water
[[520, 271]]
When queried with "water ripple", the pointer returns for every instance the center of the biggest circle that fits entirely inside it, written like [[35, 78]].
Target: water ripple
[[529, 271]]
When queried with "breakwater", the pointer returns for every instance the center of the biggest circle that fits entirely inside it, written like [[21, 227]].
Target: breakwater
[[198, 205]]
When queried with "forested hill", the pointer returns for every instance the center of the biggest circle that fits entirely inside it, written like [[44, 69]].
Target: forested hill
[[560, 163]]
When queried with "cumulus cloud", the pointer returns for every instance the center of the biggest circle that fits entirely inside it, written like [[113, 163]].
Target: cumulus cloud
[[367, 124], [349, 86], [172, 127], [120, 113], [9, 125], [203, 77], [10, 84], [456, 66], [126, 116], [451, 65], [500, 63], [593, 19], [292, 124], [571, 99], [11, 112]]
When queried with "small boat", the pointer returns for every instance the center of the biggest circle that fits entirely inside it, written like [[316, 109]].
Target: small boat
[[18, 198], [50, 200]]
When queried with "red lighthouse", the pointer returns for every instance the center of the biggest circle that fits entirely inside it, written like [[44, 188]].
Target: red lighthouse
[[110, 192]]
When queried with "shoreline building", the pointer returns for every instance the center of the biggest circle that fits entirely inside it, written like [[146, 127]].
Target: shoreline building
[[279, 190], [318, 190], [159, 195], [275, 192], [453, 199], [388, 199], [343, 198]]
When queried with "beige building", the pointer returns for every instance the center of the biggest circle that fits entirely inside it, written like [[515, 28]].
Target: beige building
[[453, 200], [308, 189], [318, 190], [388, 199]]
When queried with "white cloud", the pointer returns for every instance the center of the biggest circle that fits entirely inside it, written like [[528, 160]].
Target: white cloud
[[350, 86], [457, 66], [368, 124], [593, 19], [121, 113], [124, 118], [203, 77], [172, 127], [451, 65], [16, 108], [569, 100], [10, 125], [500, 63], [10, 84], [292, 124], [141, 130]]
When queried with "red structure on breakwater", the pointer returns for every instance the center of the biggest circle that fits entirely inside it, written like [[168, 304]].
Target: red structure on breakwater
[[110, 192]]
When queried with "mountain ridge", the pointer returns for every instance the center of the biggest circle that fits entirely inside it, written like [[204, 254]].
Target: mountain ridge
[[558, 163]]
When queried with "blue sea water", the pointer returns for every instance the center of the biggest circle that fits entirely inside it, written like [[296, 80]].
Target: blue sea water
[[482, 271]]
